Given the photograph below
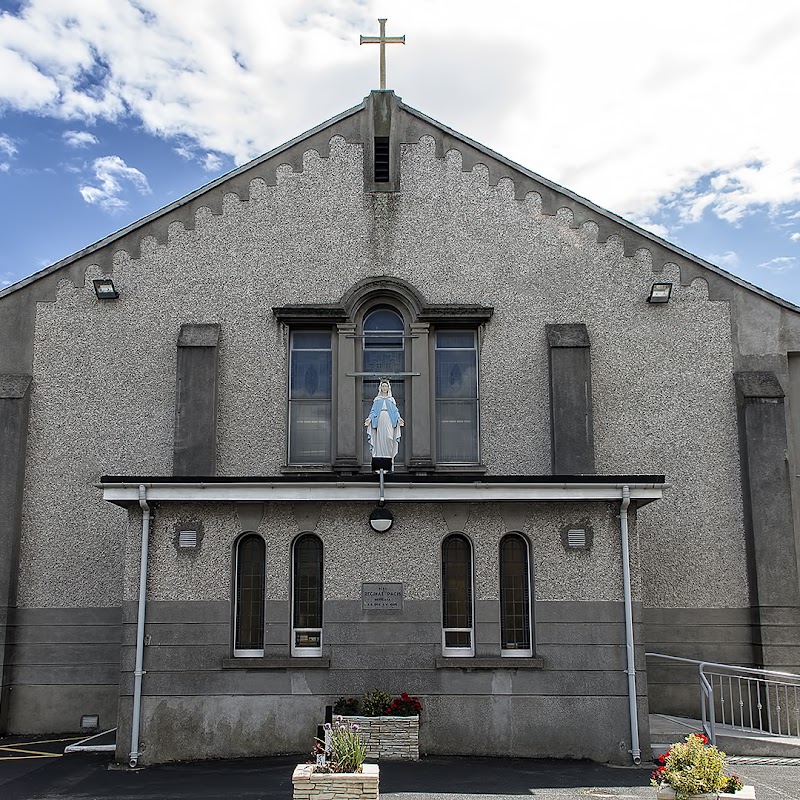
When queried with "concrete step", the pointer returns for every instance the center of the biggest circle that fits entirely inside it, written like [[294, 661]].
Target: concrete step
[[666, 729]]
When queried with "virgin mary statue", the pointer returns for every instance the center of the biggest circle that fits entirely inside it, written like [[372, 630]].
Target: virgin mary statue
[[383, 424]]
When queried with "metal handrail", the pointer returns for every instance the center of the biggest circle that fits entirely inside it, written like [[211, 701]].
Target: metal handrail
[[751, 692]]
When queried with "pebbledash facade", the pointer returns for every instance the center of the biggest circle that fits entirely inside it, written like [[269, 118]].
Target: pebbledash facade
[[558, 427]]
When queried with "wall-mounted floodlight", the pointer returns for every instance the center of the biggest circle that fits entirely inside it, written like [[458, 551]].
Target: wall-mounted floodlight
[[660, 293], [105, 290], [380, 520]]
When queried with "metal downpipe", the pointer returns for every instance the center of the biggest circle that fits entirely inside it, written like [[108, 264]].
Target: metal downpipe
[[138, 672], [636, 752]]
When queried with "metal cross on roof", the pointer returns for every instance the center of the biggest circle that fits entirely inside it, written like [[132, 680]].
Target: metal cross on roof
[[383, 40]]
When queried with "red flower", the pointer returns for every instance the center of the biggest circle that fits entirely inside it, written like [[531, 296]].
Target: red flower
[[662, 758], [701, 737]]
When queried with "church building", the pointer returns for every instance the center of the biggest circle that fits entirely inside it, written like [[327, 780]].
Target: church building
[[595, 444]]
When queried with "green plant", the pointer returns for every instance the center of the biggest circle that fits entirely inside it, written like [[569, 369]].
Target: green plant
[[347, 706], [404, 706], [345, 751], [375, 703], [694, 767]]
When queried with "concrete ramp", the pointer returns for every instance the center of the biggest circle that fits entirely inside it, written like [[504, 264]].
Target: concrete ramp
[[105, 742]]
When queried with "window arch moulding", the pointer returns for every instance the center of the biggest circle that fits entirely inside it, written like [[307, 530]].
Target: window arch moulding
[[370, 290]]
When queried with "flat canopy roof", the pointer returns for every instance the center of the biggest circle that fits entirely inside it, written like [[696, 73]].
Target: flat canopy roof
[[399, 488]]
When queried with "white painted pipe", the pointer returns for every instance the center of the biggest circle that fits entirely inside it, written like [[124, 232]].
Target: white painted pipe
[[138, 672], [636, 752]]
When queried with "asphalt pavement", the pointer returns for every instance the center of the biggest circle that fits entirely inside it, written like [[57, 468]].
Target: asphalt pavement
[[36, 769]]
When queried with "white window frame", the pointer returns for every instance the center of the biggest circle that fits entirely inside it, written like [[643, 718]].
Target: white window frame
[[527, 652], [459, 652], [296, 650]]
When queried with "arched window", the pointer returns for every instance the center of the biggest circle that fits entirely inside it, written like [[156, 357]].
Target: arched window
[[515, 597], [384, 356], [307, 596], [458, 637], [248, 639]]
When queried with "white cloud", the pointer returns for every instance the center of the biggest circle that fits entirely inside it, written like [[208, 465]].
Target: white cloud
[[729, 259], [794, 237], [8, 148], [654, 227], [79, 138], [647, 111], [212, 162], [7, 145], [780, 264], [111, 172]]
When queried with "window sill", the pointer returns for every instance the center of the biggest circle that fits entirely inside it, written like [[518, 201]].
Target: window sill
[[319, 662], [471, 664], [477, 469], [302, 469]]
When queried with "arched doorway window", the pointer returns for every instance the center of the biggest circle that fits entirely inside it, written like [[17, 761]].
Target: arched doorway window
[[458, 632], [248, 637], [307, 596], [515, 597]]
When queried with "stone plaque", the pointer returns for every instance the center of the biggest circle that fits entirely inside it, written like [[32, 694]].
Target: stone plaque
[[382, 596]]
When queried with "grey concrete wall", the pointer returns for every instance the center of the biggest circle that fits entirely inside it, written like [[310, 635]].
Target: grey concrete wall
[[193, 707], [410, 553], [194, 694], [65, 663], [793, 414], [14, 407], [771, 534], [722, 635], [457, 238]]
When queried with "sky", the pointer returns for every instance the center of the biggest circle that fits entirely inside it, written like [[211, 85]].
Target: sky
[[682, 117]]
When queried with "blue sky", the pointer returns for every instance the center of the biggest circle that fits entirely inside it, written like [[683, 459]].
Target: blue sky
[[681, 117]]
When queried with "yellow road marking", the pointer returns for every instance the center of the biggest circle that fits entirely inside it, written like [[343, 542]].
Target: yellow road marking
[[20, 749], [23, 750], [44, 741]]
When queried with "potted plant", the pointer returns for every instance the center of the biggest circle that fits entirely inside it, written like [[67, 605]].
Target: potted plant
[[694, 769], [338, 769], [389, 727]]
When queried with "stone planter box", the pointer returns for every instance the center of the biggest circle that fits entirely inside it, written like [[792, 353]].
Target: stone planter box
[[310, 785], [389, 738], [745, 793]]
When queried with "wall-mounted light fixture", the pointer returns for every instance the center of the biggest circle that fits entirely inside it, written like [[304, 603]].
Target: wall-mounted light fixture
[[380, 520], [660, 293], [105, 290]]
